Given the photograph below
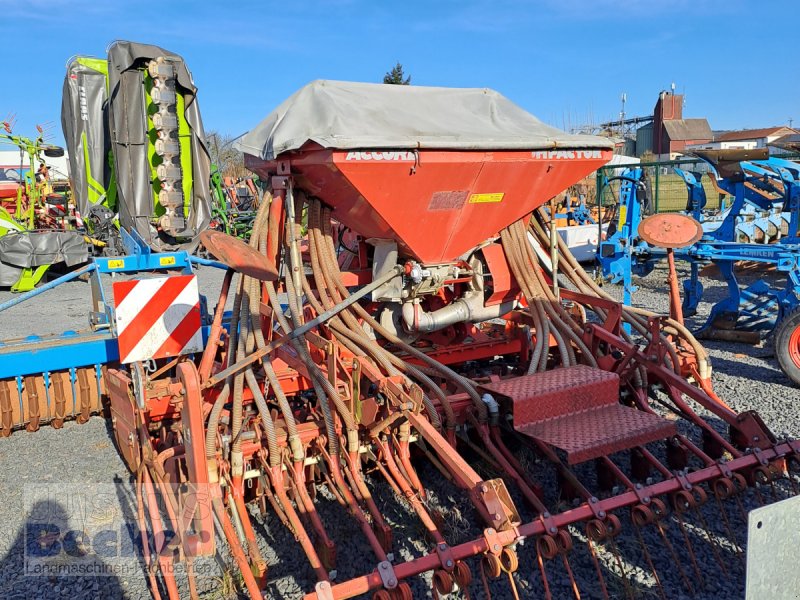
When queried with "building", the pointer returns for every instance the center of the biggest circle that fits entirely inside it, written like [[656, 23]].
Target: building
[[11, 160], [671, 133], [786, 143], [747, 139]]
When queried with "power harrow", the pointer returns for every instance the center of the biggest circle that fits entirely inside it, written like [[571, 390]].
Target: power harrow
[[440, 347]]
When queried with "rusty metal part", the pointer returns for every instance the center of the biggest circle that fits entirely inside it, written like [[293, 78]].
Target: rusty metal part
[[55, 397], [238, 255], [727, 162], [670, 230]]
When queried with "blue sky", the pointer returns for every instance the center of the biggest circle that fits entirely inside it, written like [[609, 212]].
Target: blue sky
[[566, 61]]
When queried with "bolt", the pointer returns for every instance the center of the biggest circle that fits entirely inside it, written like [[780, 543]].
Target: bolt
[[449, 564], [496, 547], [383, 566], [593, 499], [484, 489], [687, 486], [496, 516], [646, 499], [638, 486], [546, 515], [756, 438], [442, 546], [601, 514], [392, 582], [553, 530]]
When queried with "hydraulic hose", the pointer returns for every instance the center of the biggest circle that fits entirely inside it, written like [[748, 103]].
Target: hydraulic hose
[[219, 403], [635, 316], [561, 318], [442, 370], [324, 268]]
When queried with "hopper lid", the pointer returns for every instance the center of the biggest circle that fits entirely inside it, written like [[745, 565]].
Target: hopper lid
[[345, 115]]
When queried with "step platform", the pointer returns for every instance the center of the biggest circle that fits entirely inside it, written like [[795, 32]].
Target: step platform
[[577, 409]]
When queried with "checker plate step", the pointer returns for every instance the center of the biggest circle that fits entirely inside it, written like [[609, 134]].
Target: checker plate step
[[577, 409]]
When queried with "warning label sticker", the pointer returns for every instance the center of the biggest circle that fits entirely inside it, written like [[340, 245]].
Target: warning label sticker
[[486, 198]]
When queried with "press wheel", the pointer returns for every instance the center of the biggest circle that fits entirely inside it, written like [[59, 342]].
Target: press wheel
[[787, 345]]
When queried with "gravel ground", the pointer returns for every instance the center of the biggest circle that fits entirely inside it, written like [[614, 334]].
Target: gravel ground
[[43, 473]]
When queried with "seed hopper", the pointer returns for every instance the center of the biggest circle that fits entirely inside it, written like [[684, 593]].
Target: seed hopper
[[393, 312]]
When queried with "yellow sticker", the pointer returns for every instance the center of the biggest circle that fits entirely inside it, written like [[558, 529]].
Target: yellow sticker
[[623, 214], [166, 260], [116, 264], [484, 198]]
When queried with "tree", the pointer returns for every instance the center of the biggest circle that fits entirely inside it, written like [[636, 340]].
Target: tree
[[229, 161], [396, 76]]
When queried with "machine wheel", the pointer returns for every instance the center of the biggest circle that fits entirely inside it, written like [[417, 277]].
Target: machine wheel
[[787, 345]]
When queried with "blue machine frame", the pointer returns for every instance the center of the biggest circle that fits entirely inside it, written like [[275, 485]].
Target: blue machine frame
[[771, 185], [71, 350]]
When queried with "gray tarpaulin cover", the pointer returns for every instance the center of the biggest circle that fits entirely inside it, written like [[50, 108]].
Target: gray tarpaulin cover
[[83, 120], [345, 115], [19, 250], [129, 142]]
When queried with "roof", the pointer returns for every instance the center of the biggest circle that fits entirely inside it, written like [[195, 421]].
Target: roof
[[345, 115], [753, 134], [621, 159], [688, 129], [787, 142]]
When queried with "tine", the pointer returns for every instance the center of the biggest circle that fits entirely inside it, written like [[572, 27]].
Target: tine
[[623, 575], [485, 581], [649, 560], [759, 497], [574, 584], [543, 571], [728, 529], [675, 559], [742, 511], [690, 549], [596, 562], [513, 585], [712, 540]]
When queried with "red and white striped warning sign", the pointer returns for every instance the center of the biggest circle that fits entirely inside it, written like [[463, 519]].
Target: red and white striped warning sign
[[157, 317]]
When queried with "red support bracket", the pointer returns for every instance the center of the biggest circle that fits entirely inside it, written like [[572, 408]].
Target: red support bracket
[[760, 456], [724, 469], [494, 544], [445, 556], [596, 506], [685, 483], [388, 577], [655, 350]]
